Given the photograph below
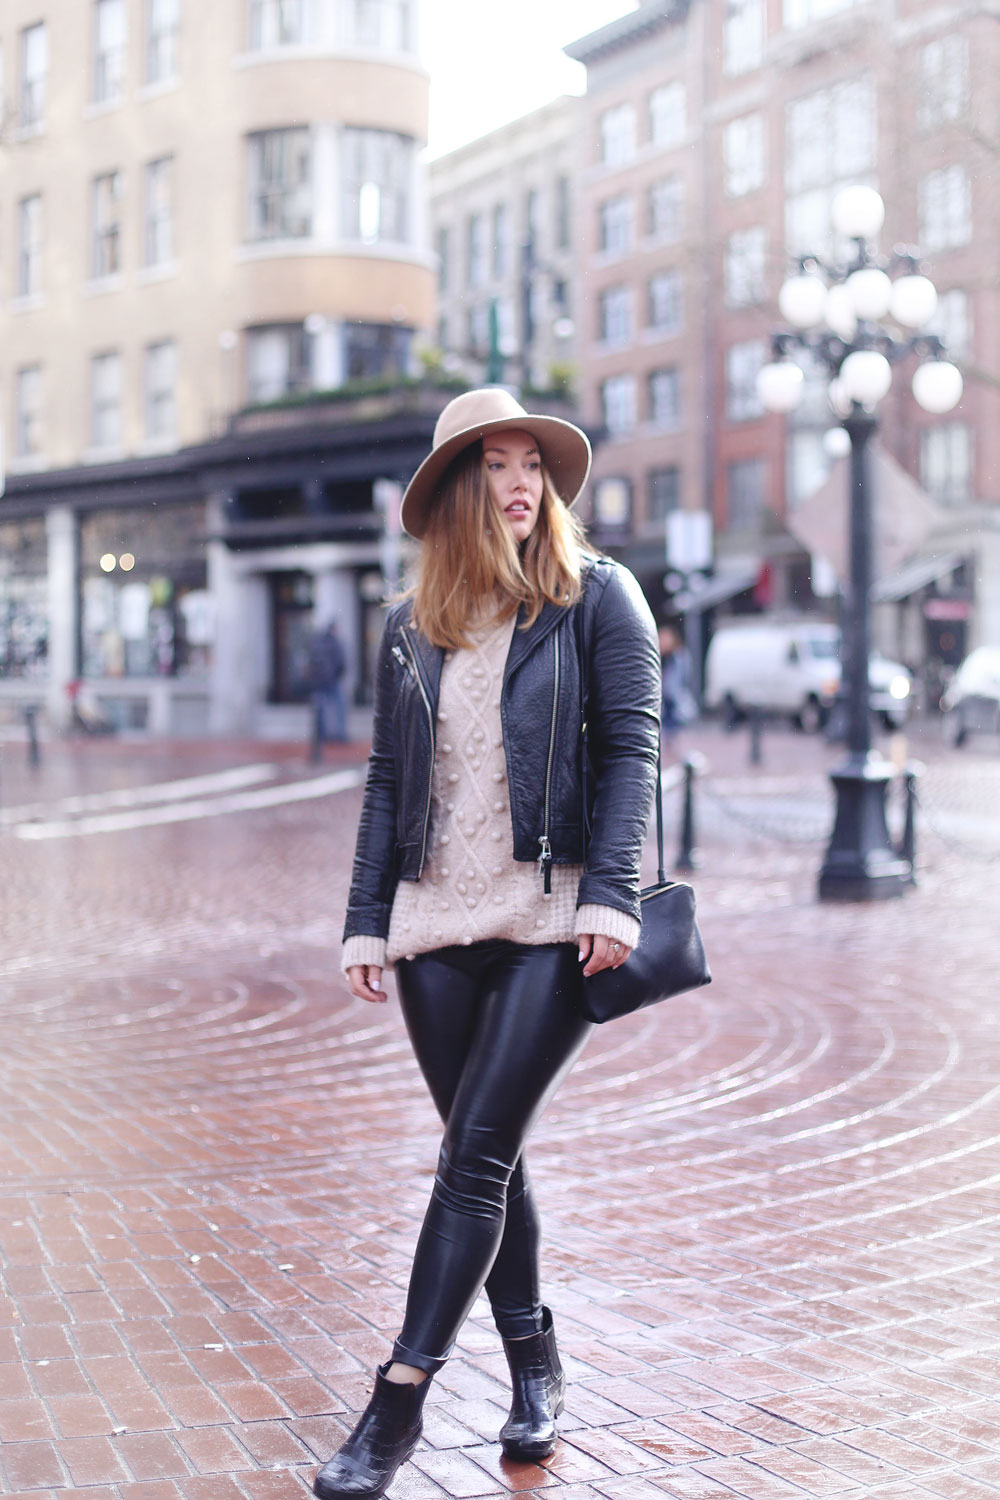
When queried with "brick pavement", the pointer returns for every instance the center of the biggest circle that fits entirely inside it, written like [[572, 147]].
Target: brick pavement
[[771, 1210]]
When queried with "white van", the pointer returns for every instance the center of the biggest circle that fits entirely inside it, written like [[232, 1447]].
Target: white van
[[792, 668]]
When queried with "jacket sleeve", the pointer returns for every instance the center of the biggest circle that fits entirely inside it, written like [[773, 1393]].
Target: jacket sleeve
[[373, 883], [623, 734]]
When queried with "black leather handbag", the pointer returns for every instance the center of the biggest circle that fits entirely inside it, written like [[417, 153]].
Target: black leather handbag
[[669, 957]]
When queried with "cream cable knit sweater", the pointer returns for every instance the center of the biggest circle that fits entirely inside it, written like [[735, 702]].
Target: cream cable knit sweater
[[472, 888]]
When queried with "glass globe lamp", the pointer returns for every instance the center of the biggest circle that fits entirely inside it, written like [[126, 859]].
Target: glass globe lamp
[[866, 376], [858, 213], [937, 386], [780, 386], [914, 301], [870, 291], [839, 313], [802, 301]]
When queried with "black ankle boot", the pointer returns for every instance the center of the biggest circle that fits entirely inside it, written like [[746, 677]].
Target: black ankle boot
[[386, 1435], [539, 1393]]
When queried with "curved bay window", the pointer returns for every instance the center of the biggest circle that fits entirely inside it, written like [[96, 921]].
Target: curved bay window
[[23, 599], [145, 607]]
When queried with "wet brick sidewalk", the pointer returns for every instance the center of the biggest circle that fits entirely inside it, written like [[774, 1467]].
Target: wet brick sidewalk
[[771, 1209]]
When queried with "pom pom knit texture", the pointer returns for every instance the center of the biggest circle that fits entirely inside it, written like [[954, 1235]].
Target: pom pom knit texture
[[472, 888]]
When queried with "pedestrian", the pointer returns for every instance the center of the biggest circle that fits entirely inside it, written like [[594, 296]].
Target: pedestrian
[[677, 706], [326, 668], [481, 875]]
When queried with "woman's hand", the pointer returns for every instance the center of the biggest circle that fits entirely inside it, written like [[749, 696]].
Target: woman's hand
[[598, 952], [366, 982]]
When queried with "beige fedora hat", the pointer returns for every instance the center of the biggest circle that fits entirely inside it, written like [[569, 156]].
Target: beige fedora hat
[[564, 448]]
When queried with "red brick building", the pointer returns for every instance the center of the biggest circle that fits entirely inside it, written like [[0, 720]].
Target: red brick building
[[716, 136]]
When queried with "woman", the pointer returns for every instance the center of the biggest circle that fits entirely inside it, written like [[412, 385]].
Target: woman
[[482, 875]]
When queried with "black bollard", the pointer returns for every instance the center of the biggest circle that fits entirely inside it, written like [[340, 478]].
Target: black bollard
[[30, 712], [907, 845], [685, 854], [756, 726]]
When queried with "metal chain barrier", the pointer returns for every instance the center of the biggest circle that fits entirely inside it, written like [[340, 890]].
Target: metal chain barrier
[[793, 828], [956, 845]]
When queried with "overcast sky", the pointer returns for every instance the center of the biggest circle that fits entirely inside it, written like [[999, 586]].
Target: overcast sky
[[490, 62]]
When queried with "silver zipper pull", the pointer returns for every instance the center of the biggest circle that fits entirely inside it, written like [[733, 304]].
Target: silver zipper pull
[[545, 864]]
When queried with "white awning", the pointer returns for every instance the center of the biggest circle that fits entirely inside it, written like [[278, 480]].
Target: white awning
[[915, 575]]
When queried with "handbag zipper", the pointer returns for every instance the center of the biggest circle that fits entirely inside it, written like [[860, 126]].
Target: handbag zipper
[[545, 857], [430, 724]]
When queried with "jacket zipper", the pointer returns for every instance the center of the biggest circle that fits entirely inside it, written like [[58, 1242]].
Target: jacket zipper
[[545, 857], [430, 724]]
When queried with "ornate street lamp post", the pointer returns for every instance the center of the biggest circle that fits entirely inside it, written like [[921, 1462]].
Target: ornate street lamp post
[[839, 314]]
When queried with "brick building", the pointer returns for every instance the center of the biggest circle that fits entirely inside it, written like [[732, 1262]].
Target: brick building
[[715, 138]]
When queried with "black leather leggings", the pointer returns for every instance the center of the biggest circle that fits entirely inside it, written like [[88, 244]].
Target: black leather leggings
[[495, 1027]]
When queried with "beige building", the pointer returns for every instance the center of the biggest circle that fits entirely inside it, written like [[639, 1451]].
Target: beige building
[[505, 232], [203, 209]]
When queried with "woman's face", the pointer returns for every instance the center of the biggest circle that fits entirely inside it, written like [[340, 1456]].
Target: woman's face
[[514, 475]]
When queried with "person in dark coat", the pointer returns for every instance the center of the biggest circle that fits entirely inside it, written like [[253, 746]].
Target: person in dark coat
[[483, 876], [327, 665]]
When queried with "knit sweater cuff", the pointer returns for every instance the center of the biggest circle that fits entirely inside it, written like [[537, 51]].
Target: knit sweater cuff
[[363, 950], [609, 922]]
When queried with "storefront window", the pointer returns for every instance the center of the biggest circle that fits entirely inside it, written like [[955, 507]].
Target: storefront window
[[23, 599], [146, 611]]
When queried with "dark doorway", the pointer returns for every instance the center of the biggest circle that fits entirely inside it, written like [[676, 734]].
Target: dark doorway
[[291, 627]]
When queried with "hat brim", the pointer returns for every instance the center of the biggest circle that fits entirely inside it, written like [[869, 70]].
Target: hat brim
[[565, 451]]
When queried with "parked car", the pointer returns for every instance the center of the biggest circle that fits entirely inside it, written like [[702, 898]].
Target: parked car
[[971, 701], [793, 668]]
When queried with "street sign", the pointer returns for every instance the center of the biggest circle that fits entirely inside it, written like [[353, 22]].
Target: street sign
[[689, 540]]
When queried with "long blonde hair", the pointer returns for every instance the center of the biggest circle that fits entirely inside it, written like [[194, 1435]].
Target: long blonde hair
[[469, 553]]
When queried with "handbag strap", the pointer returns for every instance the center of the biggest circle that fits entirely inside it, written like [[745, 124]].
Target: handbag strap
[[584, 656]]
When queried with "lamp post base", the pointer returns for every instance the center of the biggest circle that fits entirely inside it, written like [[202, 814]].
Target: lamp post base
[[860, 863]]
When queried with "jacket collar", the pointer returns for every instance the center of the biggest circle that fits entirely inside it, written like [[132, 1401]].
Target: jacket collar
[[523, 643]]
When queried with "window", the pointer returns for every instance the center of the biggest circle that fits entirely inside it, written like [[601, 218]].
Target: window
[[377, 168], [444, 259], [942, 81], [106, 400], [830, 135], [802, 12], [383, 24], [475, 250], [106, 193], [664, 492], [807, 464], [617, 128], [375, 350], [619, 405], [28, 412], [158, 208], [830, 143], [500, 241], [743, 36], [109, 50], [744, 155], [667, 108], [743, 361], [745, 267], [29, 246], [612, 503], [944, 201], [278, 23], [666, 295], [665, 399], [531, 217], [665, 206], [616, 315], [946, 462], [159, 396], [616, 224], [745, 494], [560, 237], [478, 327], [277, 361], [952, 322], [34, 76], [162, 26], [280, 184], [24, 601]]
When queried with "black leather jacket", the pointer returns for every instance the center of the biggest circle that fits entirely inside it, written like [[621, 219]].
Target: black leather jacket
[[540, 709]]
